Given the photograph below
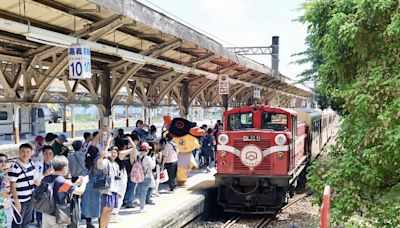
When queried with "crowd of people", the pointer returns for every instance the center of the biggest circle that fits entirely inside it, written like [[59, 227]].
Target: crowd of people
[[99, 176]]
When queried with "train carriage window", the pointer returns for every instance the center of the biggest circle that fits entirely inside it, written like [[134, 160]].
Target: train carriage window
[[240, 121], [315, 130], [274, 121], [3, 115], [324, 123]]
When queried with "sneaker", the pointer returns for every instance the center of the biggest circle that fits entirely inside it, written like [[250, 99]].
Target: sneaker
[[130, 205], [114, 218], [90, 225], [150, 203]]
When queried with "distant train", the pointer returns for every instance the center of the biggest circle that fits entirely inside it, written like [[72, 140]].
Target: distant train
[[263, 152], [25, 119]]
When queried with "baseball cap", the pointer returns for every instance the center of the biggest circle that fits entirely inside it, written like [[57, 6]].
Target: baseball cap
[[145, 146], [62, 137], [39, 138]]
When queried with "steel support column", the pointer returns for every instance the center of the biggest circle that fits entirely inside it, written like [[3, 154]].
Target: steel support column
[[275, 56], [113, 117], [64, 118], [144, 115], [151, 116], [73, 121], [127, 115], [100, 121], [16, 123], [34, 120]]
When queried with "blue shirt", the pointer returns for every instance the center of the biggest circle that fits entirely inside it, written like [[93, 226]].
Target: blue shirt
[[142, 134], [76, 163]]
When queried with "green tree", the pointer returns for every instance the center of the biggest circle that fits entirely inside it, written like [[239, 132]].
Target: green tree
[[357, 45]]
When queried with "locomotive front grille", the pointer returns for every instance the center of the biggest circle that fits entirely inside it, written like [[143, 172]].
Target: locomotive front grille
[[264, 144], [264, 166]]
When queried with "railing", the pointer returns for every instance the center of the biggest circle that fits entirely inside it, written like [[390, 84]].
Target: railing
[[326, 201]]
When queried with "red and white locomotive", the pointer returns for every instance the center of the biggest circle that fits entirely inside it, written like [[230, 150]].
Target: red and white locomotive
[[262, 153]]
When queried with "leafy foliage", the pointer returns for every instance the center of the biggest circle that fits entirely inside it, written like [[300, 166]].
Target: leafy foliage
[[357, 44]]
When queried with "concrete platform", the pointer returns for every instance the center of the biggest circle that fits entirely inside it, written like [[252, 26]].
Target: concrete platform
[[172, 209]]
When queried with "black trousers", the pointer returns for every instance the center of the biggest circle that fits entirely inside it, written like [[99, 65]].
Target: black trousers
[[171, 169], [208, 157]]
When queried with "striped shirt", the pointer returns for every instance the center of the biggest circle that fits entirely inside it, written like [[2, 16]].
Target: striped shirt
[[23, 182]]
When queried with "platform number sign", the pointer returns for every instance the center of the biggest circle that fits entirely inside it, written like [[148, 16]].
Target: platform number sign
[[257, 92], [223, 84], [79, 61]]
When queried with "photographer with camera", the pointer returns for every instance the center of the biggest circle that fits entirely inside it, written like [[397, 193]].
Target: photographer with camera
[[109, 194], [124, 163], [141, 130]]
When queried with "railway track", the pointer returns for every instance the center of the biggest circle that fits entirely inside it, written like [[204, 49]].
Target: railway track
[[266, 219]]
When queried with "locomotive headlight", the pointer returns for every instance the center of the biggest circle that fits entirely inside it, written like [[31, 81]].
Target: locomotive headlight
[[280, 155], [223, 139], [223, 154], [280, 139]]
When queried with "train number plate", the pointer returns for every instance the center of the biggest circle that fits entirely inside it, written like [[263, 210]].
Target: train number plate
[[250, 138]]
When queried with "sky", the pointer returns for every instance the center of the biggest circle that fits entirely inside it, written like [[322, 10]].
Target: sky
[[246, 23]]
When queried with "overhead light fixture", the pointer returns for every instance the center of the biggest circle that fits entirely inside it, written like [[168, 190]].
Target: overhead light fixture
[[38, 38], [182, 69]]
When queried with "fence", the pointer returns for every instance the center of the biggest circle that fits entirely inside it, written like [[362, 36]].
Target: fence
[[326, 201]]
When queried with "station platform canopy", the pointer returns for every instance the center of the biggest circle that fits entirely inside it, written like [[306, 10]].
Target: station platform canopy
[[138, 56]]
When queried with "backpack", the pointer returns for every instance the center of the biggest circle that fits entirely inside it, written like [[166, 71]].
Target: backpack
[[206, 143], [137, 174], [43, 198]]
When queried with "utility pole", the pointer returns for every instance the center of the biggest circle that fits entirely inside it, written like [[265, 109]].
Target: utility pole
[[272, 50]]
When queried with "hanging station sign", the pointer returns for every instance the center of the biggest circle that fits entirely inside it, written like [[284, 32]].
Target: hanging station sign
[[257, 92], [79, 61], [223, 84]]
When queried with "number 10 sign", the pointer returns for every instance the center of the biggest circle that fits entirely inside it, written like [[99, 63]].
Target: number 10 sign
[[79, 61]]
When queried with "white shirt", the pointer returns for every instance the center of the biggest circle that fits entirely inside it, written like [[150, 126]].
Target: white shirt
[[170, 152]]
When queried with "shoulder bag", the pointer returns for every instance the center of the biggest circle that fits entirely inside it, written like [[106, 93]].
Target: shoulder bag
[[102, 181], [63, 212]]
